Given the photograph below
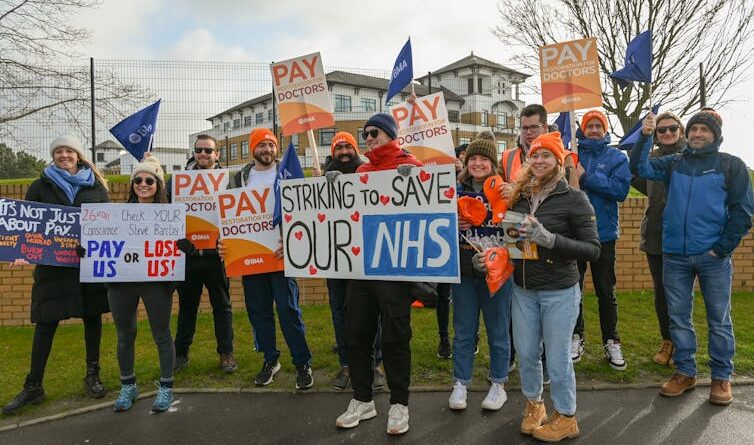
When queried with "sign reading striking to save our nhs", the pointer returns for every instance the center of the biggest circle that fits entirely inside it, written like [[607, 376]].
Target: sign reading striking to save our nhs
[[374, 226]]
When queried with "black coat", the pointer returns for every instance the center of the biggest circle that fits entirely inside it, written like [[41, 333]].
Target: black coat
[[57, 293], [567, 213]]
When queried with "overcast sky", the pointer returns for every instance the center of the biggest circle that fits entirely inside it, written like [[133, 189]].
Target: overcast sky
[[347, 33]]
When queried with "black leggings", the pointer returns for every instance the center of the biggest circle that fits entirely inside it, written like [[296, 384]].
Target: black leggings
[[44, 333]]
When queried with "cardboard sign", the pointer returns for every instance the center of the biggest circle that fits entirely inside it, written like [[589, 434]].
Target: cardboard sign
[[423, 129], [195, 188], [246, 228], [132, 242], [39, 233], [373, 226], [302, 95], [570, 74]]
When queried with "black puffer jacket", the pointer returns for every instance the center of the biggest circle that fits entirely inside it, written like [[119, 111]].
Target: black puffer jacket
[[567, 213], [57, 293]]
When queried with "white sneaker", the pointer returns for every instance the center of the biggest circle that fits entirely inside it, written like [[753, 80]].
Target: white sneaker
[[577, 348], [614, 355], [457, 399], [496, 397], [397, 419], [356, 412]]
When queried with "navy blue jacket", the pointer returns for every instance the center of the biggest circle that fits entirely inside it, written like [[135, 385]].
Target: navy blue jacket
[[606, 182], [710, 200]]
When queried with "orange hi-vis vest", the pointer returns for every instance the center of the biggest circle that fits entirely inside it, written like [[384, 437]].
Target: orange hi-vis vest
[[511, 164]]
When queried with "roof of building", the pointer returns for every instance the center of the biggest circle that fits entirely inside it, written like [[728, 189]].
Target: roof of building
[[474, 60]]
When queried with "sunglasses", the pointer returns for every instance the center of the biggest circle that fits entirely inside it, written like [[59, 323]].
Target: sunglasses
[[372, 133], [672, 128], [207, 151], [138, 180]]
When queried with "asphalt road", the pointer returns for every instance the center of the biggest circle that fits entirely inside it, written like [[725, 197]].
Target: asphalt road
[[613, 417]]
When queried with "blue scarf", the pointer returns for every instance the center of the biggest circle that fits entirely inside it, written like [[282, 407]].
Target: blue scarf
[[68, 183]]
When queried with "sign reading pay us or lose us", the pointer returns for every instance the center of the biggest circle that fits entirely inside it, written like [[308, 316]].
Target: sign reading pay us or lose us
[[249, 238], [423, 129], [302, 95], [373, 226], [570, 75], [132, 242], [195, 188]]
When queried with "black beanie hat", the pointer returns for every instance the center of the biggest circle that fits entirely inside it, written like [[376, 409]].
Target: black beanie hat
[[710, 119], [384, 122]]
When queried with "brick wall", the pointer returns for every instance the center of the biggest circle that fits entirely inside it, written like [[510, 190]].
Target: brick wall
[[631, 267]]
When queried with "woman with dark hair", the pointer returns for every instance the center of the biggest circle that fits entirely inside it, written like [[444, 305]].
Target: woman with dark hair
[[57, 294]]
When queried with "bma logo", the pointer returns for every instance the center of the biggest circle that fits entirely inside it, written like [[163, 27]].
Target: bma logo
[[140, 133]]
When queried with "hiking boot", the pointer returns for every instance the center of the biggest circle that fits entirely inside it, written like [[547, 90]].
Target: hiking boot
[[181, 361], [665, 354], [356, 412], [496, 397], [534, 415], [304, 379], [557, 428], [31, 394], [720, 392], [614, 355], [397, 419], [228, 363], [457, 399], [267, 374], [343, 379], [577, 348], [677, 385], [163, 400], [444, 351], [92, 382], [128, 394], [379, 379]]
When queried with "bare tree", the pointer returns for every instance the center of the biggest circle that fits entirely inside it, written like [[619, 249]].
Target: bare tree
[[685, 33]]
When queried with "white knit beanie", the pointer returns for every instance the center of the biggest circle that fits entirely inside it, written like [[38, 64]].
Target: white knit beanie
[[151, 165], [70, 141]]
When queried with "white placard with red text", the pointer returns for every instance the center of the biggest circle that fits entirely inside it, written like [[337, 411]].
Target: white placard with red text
[[423, 129]]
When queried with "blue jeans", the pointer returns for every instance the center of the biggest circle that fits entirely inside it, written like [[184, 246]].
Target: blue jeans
[[470, 297], [336, 290], [260, 291], [546, 316], [715, 276]]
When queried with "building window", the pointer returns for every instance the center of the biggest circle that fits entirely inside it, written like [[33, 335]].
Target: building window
[[368, 105], [462, 141], [269, 115], [233, 152], [342, 103], [223, 155], [226, 127], [479, 84], [245, 149], [454, 116], [217, 128], [501, 146], [236, 124], [362, 141], [100, 157], [471, 85], [176, 167], [294, 140], [247, 121], [260, 118], [484, 118], [325, 136]]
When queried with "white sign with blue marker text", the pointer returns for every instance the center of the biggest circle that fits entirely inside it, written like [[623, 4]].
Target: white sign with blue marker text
[[373, 226]]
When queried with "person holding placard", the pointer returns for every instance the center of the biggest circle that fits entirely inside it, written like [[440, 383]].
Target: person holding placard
[[57, 294], [147, 186]]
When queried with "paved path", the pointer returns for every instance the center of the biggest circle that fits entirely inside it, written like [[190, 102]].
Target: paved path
[[613, 417]]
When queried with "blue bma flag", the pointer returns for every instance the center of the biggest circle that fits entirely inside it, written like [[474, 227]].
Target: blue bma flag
[[290, 168], [638, 64], [564, 127], [632, 135], [136, 132], [403, 72]]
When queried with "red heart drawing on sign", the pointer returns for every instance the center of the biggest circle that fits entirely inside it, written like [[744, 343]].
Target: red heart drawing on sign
[[321, 217], [364, 179], [449, 193], [423, 176], [298, 235], [355, 216], [288, 218], [312, 270], [356, 250], [384, 200]]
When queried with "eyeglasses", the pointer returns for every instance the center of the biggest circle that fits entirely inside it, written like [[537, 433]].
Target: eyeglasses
[[532, 128], [672, 128], [207, 151], [372, 133], [138, 180]]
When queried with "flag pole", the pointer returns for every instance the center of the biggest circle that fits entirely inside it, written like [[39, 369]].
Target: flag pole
[[315, 155]]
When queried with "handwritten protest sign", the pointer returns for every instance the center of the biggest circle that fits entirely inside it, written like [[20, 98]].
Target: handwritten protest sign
[[374, 226], [132, 242], [302, 95], [423, 129], [570, 75], [246, 228], [39, 233], [195, 188]]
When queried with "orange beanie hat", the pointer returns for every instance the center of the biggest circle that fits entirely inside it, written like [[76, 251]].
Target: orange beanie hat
[[593, 114], [261, 134], [339, 138], [553, 143], [472, 210]]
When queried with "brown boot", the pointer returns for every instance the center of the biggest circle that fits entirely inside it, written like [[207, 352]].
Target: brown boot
[[534, 415], [228, 363], [559, 427], [677, 385], [720, 393], [665, 354]]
